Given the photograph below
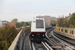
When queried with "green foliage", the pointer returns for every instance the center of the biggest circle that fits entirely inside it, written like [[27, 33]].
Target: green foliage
[[20, 24], [53, 22], [17, 24], [72, 19], [7, 35], [14, 20]]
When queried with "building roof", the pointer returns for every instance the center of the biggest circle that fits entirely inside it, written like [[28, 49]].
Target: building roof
[[11, 24]]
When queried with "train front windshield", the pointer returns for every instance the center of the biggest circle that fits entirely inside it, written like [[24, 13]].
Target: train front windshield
[[39, 24]]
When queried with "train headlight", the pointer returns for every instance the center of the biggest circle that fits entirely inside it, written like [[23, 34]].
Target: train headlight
[[43, 35], [32, 35]]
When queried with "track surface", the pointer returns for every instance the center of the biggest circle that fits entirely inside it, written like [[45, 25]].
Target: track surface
[[39, 47], [26, 45], [71, 41], [54, 43]]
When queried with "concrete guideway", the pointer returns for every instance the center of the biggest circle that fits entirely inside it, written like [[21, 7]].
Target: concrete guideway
[[26, 45], [53, 42], [71, 41], [65, 44], [42, 46], [17, 43], [36, 46], [47, 46], [67, 32]]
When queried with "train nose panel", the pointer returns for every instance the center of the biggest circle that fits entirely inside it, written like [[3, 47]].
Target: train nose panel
[[38, 35]]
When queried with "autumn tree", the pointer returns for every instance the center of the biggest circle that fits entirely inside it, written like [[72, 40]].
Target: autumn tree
[[62, 22], [14, 20], [7, 35]]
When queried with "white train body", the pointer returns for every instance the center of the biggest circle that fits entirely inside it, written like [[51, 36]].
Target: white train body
[[37, 26], [37, 30]]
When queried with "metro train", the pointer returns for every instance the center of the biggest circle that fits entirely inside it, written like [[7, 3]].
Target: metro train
[[37, 30]]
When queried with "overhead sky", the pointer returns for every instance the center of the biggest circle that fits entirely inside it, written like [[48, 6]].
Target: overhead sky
[[25, 10]]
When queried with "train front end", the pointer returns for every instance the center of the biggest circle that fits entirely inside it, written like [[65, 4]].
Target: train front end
[[37, 37], [37, 30]]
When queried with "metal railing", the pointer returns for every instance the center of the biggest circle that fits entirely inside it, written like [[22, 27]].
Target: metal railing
[[68, 32], [17, 43]]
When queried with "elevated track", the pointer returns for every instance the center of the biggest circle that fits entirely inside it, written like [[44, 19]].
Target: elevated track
[[64, 41], [52, 41], [26, 43]]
